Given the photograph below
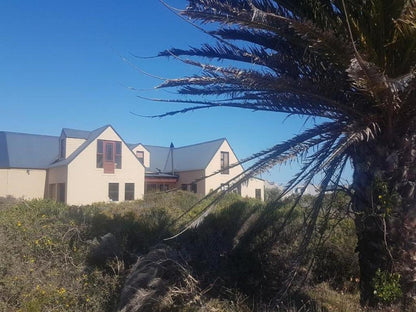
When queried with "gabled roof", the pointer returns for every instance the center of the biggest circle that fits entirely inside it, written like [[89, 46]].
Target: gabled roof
[[75, 133], [133, 146], [92, 135], [186, 158], [29, 151]]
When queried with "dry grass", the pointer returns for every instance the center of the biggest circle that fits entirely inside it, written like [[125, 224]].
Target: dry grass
[[335, 301]]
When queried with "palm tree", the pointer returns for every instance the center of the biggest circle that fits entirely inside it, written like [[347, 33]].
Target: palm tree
[[350, 63]]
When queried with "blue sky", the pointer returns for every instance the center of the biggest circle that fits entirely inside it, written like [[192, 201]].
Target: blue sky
[[61, 65]]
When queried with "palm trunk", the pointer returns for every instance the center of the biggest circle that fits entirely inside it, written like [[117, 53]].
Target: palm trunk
[[385, 214], [372, 252]]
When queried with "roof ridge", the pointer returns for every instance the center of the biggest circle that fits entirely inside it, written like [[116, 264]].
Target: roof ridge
[[33, 134], [155, 145], [185, 146], [200, 143]]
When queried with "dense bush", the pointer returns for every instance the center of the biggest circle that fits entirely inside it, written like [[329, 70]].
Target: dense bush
[[42, 264], [60, 258], [46, 248], [254, 247]]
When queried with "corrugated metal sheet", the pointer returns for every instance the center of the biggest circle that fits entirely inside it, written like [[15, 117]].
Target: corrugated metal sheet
[[158, 158], [22, 150], [75, 133], [186, 158]]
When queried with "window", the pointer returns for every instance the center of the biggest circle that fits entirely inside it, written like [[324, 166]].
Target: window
[[99, 153], [225, 163], [109, 152], [224, 186], [118, 155], [184, 187], [151, 187], [140, 156], [129, 191], [62, 148], [61, 193], [194, 187], [258, 194], [108, 155], [113, 191], [163, 187], [52, 191]]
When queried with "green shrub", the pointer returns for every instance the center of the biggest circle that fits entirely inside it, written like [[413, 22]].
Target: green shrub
[[387, 286], [335, 259], [45, 247], [42, 261], [239, 253]]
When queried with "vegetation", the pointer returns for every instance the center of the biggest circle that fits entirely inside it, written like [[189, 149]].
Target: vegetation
[[352, 65], [59, 258], [53, 258]]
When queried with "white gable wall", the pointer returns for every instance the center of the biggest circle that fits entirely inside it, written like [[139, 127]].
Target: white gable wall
[[214, 165], [248, 189], [88, 184], [146, 154], [71, 144]]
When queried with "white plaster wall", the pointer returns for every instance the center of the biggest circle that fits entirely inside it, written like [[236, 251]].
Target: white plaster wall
[[88, 184], [57, 175], [71, 145], [188, 177], [248, 189], [146, 154], [23, 183], [215, 181]]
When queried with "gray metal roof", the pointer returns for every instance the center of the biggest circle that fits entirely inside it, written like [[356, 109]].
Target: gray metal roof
[[30, 151], [92, 135], [132, 146], [75, 133], [186, 158]]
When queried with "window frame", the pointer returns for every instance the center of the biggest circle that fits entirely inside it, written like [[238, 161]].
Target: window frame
[[113, 192], [100, 154], [129, 192], [225, 162], [109, 153], [257, 193], [117, 154], [140, 158], [62, 148]]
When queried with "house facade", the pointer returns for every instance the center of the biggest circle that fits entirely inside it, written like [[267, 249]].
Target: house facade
[[200, 168], [82, 167], [78, 167]]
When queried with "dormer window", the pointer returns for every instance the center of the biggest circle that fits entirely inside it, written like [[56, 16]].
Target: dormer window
[[108, 155], [140, 156], [62, 148]]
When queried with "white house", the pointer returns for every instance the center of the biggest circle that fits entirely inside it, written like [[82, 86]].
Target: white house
[[81, 167]]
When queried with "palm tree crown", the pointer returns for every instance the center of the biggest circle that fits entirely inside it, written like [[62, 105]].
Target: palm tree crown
[[352, 63]]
